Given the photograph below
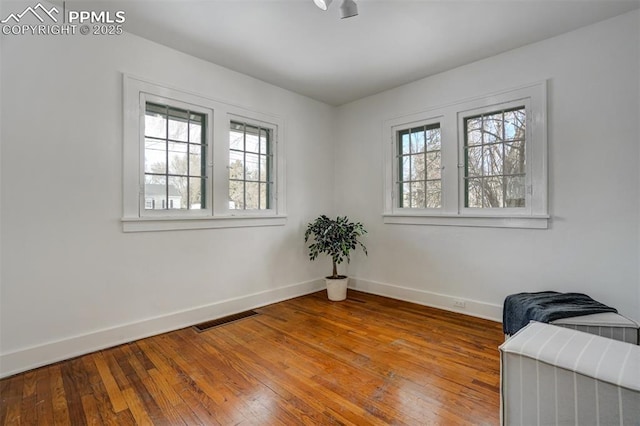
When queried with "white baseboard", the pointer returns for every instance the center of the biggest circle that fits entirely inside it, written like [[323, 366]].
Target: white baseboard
[[48, 353], [474, 308]]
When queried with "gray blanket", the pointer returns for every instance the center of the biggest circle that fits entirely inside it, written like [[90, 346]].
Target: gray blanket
[[546, 306]]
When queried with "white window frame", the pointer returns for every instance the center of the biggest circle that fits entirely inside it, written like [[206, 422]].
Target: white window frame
[[208, 113], [451, 117], [135, 218], [427, 121], [273, 194]]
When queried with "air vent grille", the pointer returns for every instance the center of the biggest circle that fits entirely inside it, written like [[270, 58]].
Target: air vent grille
[[224, 320]]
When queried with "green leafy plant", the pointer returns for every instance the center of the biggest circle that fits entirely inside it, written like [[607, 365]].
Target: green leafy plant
[[335, 238]]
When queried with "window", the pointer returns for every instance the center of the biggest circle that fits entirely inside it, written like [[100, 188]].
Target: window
[[419, 167], [480, 162], [192, 162], [175, 170], [249, 167], [494, 159]]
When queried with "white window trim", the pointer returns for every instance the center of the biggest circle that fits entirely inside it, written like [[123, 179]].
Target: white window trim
[[275, 129], [453, 213], [396, 172], [182, 104], [219, 114]]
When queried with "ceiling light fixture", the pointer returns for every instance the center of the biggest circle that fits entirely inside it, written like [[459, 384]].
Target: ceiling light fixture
[[323, 4], [348, 8]]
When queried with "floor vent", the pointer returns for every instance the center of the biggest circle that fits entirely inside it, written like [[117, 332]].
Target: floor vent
[[224, 320]]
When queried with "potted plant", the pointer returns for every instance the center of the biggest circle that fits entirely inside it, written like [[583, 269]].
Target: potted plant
[[335, 238]]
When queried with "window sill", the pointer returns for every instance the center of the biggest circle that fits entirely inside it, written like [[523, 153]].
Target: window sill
[[147, 224], [528, 222]]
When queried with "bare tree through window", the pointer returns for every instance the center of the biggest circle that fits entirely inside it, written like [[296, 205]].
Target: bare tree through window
[[494, 152], [419, 167]]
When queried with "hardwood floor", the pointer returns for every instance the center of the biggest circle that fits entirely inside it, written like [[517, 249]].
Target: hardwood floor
[[367, 360]]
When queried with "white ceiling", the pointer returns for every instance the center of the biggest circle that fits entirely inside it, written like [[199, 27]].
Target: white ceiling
[[295, 45]]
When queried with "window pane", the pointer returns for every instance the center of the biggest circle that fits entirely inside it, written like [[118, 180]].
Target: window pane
[[236, 140], [252, 142], [178, 192], [264, 204], [474, 193], [236, 165], [196, 164], [196, 190], [406, 168], [433, 139], [514, 158], [404, 143], [514, 124], [417, 140], [236, 194], [155, 192], [418, 167], [492, 128], [252, 195], [155, 156], [433, 165], [264, 168], [155, 123], [492, 160], [474, 131], [434, 194], [264, 141], [195, 132], [178, 128], [178, 158], [514, 195], [406, 195], [417, 195], [251, 167], [474, 161], [492, 192]]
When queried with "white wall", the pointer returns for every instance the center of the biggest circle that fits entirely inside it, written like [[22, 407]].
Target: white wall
[[72, 281], [592, 244]]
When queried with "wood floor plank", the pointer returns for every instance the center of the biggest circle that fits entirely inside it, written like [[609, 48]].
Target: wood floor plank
[[367, 360], [59, 396], [173, 398], [28, 406], [165, 406], [148, 400], [75, 385], [117, 373], [115, 395], [136, 407], [12, 400], [44, 398], [91, 412]]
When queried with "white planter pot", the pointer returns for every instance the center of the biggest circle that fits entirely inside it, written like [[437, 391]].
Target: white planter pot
[[337, 289]]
